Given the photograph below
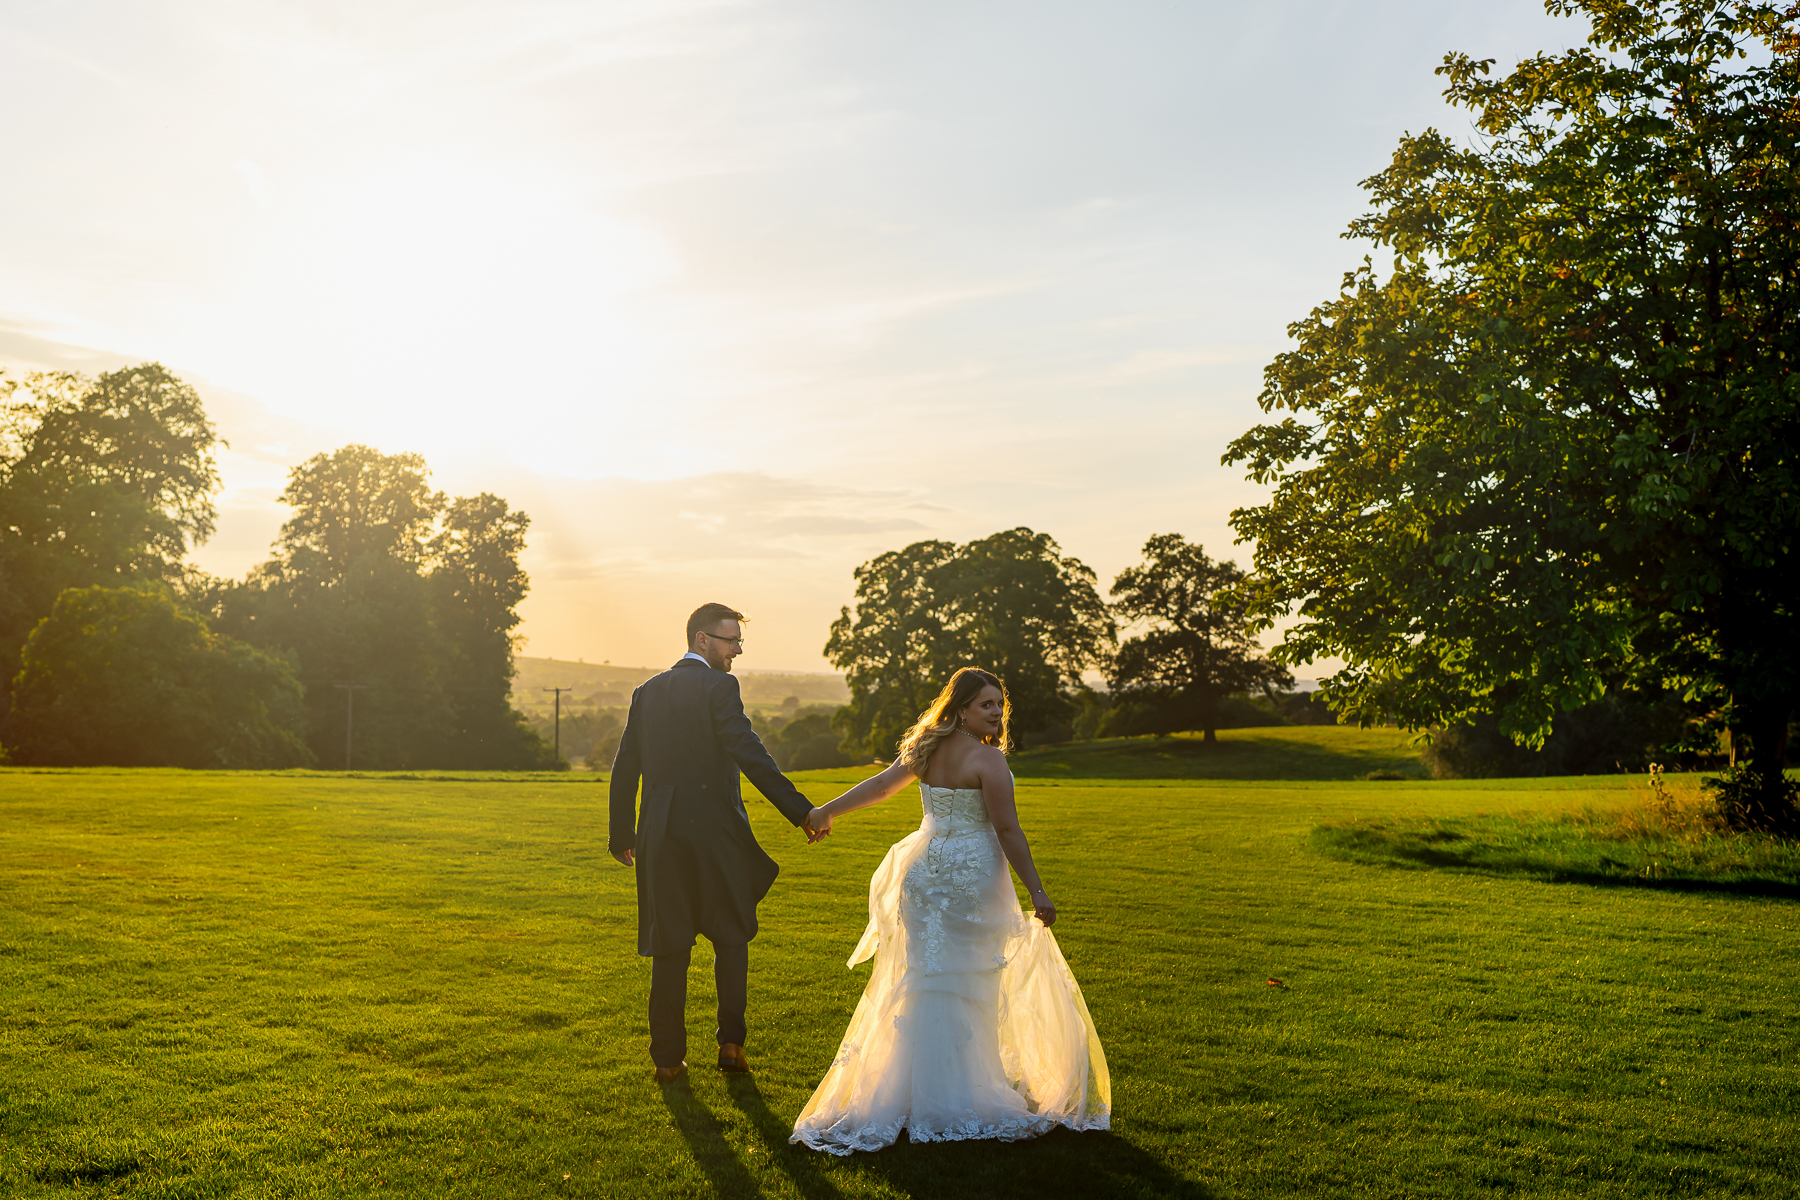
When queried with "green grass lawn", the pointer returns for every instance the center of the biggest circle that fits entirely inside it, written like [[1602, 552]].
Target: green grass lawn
[[307, 985], [1676, 843]]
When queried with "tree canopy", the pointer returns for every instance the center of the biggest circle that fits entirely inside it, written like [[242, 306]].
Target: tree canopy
[[1196, 646], [1012, 603], [1551, 453], [127, 677], [377, 579], [102, 481], [380, 581]]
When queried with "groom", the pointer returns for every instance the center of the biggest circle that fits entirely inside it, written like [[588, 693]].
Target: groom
[[699, 867]]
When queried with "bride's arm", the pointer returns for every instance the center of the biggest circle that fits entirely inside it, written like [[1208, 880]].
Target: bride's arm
[[872, 790], [1003, 811]]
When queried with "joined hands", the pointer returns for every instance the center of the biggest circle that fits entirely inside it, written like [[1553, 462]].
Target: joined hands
[[817, 825]]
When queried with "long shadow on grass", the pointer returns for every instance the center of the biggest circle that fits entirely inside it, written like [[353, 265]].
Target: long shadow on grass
[[1445, 850], [705, 1137], [799, 1164], [1061, 1163]]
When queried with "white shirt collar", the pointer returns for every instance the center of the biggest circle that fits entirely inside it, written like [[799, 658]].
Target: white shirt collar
[[697, 658]]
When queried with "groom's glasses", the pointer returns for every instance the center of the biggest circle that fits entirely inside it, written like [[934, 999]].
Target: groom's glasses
[[736, 641]]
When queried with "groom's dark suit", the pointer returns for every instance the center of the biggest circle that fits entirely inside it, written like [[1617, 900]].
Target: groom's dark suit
[[700, 870]]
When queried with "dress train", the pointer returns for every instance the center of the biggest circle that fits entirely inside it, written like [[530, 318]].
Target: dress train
[[972, 1024]]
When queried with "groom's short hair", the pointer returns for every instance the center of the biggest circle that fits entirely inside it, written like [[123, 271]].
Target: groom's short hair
[[707, 617]]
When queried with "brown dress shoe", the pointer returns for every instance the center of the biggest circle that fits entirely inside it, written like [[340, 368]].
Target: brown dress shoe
[[732, 1060], [670, 1074]]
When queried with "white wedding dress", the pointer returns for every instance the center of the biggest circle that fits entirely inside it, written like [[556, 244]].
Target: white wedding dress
[[972, 1025]]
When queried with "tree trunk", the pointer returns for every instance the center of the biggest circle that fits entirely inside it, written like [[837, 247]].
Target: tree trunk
[[1766, 729], [1210, 738]]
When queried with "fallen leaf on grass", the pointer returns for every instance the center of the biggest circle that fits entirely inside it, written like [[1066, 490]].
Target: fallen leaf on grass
[[1276, 983]]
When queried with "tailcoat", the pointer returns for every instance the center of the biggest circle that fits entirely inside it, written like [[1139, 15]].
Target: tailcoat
[[700, 870]]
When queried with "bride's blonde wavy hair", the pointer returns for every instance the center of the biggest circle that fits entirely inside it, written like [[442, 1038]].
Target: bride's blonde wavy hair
[[940, 720]]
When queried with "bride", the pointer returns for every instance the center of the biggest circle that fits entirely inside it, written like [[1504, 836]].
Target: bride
[[972, 1025]]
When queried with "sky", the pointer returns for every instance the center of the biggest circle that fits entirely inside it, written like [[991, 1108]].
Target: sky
[[729, 296]]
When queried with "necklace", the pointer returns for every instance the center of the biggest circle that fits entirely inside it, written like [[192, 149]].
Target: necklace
[[966, 733]]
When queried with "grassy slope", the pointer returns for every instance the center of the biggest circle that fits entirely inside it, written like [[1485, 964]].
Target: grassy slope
[[315, 986], [1277, 752]]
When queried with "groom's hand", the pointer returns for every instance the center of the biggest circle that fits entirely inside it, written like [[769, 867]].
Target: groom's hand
[[817, 826], [625, 856]]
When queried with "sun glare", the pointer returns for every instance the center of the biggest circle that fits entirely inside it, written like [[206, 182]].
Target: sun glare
[[440, 304]]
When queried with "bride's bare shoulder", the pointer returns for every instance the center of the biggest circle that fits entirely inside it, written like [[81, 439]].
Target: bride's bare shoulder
[[989, 760], [957, 763]]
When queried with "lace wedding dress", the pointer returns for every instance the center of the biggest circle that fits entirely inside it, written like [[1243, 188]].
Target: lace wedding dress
[[972, 1025]]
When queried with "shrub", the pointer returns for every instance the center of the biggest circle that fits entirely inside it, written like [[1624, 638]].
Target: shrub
[[1304, 708], [1744, 802], [126, 677], [1608, 737], [807, 743]]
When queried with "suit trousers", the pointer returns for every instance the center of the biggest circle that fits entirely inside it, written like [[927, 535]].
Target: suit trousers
[[687, 902], [668, 1000]]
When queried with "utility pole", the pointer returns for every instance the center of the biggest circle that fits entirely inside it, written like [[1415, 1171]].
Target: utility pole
[[559, 692], [349, 690]]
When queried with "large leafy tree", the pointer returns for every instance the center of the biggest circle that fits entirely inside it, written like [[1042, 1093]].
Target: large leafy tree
[[897, 650], [1012, 603], [102, 481], [344, 593], [476, 584], [381, 583], [127, 677], [1196, 646], [1551, 453]]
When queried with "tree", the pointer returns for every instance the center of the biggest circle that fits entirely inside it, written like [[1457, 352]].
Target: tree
[[1036, 617], [476, 585], [1197, 647], [345, 595], [1551, 455], [357, 512], [1011, 602], [805, 742], [126, 677], [102, 481], [897, 651], [381, 581]]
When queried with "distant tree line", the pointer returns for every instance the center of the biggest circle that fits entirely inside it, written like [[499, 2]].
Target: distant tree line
[[1015, 604], [113, 650], [803, 737], [799, 737], [1189, 660]]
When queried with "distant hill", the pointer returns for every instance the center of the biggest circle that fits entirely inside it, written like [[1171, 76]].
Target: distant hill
[[602, 685]]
